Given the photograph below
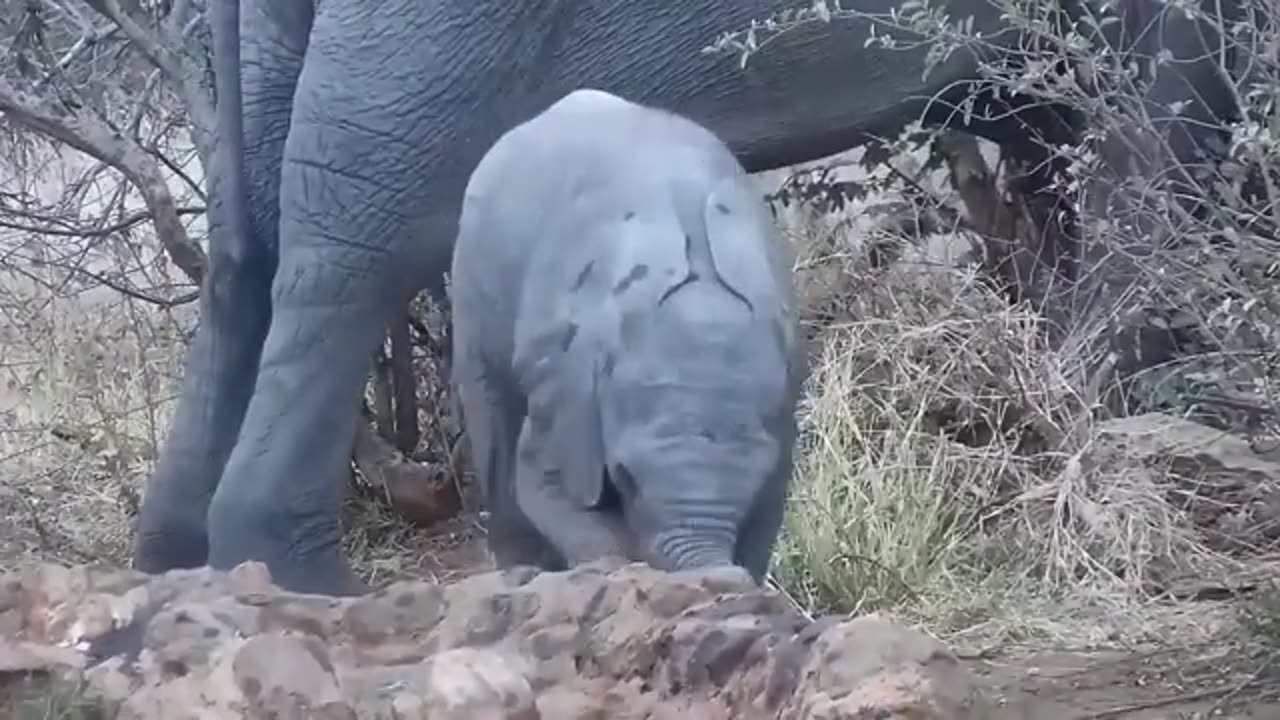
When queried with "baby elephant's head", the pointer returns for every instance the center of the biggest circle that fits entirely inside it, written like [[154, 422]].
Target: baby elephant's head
[[695, 423]]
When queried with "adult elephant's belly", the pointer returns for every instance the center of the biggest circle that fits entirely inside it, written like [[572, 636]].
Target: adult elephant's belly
[[809, 93]]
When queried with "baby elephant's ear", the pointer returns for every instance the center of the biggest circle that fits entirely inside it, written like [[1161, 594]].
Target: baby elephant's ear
[[576, 434], [564, 411]]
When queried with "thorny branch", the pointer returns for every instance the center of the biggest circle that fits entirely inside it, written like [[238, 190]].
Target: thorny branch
[[94, 96], [45, 224], [93, 137]]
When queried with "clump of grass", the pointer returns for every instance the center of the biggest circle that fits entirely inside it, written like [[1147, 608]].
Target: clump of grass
[[948, 466], [86, 387], [1262, 615], [38, 697]]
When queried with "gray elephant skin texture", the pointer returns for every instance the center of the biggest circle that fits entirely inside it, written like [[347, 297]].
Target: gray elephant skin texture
[[346, 132], [625, 343]]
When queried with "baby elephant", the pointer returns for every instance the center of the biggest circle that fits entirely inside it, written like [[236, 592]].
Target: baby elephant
[[625, 343]]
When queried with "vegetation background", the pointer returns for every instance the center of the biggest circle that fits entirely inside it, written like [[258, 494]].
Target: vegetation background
[[1012, 488]]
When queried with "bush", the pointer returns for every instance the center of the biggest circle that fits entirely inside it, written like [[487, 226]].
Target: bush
[[949, 458]]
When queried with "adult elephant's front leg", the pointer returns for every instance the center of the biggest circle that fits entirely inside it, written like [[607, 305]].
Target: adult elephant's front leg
[[281, 495], [356, 182]]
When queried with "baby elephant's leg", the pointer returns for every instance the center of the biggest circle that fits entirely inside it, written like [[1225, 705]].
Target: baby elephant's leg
[[491, 416], [582, 535]]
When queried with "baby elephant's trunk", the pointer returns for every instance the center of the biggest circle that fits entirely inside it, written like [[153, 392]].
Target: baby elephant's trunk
[[700, 542], [697, 486]]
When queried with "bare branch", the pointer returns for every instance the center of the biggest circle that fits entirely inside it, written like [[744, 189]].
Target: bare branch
[[83, 45], [135, 122], [96, 139], [146, 43], [46, 223], [179, 69]]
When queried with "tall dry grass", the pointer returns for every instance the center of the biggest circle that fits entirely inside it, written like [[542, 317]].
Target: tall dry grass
[[949, 470]]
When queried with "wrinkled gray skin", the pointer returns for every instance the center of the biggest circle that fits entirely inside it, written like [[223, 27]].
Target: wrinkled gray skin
[[624, 343], [346, 138]]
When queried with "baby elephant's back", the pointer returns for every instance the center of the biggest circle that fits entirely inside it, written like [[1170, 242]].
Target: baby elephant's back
[[593, 150], [595, 210]]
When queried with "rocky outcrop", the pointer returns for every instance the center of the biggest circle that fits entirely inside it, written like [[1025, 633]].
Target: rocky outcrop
[[595, 642], [1227, 485]]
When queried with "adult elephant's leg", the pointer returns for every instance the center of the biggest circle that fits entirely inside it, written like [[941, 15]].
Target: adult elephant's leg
[[235, 299], [356, 181]]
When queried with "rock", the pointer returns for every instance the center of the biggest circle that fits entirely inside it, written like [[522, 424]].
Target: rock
[[596, 642], [872, 667], [21, 656], [1220, 479], [422, 494], [288, 676]]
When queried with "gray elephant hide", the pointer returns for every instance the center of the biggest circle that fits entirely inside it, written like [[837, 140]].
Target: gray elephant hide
[[625, 342]]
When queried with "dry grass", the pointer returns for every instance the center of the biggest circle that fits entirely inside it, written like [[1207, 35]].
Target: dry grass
[[946, 471], [36, 697], [88, 389], [88, 385]]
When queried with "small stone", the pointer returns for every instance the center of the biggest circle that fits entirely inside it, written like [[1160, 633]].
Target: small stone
[[561, 703], [465, 682], [288, 676], [727, 579], [251, 579]]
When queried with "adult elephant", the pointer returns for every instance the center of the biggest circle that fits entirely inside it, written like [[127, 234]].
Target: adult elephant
[[346, 133]]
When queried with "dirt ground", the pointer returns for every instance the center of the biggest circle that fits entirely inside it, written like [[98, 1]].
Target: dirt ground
[[1165, 685]]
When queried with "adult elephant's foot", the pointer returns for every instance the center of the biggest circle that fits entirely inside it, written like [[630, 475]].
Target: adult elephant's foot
[[303, 554], [326, 575], [160, 550], [172, 534], [315, 573]]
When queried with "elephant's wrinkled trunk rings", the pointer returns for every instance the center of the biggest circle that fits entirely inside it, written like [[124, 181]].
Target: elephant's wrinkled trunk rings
[[687, 549]]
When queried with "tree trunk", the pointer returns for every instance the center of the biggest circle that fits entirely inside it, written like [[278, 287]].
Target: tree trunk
[[1026, 254]]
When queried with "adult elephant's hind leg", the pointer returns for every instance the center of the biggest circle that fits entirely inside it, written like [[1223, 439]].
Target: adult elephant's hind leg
[[236, 297], [346, 262]]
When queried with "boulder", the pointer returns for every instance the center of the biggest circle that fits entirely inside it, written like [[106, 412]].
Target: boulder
[[595, 642], [1228, 486]]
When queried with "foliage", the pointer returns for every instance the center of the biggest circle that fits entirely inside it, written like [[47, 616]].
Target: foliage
[[948, 454]]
